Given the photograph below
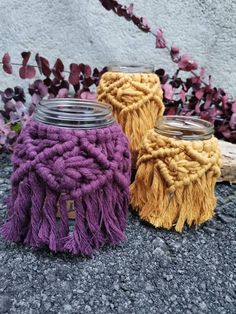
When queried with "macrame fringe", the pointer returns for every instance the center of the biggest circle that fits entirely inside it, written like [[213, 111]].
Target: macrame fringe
[[100, 218], [192, 204], [135, 124], [175, 181]]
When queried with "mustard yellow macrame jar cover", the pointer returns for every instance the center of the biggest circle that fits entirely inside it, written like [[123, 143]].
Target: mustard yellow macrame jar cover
[[136, 97], [175, 178]]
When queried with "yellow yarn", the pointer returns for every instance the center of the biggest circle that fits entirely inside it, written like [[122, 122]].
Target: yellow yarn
[[175, 181], [136, 99]]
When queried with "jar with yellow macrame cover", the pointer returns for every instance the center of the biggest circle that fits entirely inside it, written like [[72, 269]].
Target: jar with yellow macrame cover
[[177, 168], [136, 97]]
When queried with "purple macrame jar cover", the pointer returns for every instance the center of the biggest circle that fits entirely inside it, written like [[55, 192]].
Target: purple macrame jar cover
[[52, 165]]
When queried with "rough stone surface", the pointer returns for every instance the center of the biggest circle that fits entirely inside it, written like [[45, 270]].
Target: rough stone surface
[[82, 31], [154, 271]]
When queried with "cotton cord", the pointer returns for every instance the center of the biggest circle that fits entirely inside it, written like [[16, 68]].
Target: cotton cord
[[136, 100], [175, 181], [52, 166]]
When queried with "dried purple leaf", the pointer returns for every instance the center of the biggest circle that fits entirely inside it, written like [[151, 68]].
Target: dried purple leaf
[[160, 41], [25, 55], [62, 93], [187, 64], [6, 60], [208, 101], [174, 53], [234, 106], [88, 95], [232, 121], [168, 91], [27, 71], [7, 68]]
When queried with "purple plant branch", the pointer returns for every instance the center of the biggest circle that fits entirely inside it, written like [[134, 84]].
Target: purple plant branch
[[124, 11], [32, 65]]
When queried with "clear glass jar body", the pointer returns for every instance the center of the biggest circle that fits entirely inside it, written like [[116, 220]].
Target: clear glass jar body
[[74, 113], [184, 128], [129, 68]]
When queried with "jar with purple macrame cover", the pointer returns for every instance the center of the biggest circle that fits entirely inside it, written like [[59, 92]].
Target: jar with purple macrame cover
[[71, 160]]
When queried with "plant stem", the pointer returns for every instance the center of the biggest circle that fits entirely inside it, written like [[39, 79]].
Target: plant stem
[[169, 50], [32, 65]]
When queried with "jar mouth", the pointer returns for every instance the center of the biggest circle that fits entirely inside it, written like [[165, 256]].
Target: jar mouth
[[131, 68], [74, 113], [184, 128]]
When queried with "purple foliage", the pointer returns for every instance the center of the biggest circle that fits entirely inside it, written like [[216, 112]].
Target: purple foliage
[[160, 41], [6, 63], [54, 84], [186, 64], [12, 116], [184, 96], [192, 96]]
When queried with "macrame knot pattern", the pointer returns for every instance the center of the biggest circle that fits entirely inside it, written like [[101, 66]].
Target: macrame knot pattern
[[175, 181], [51, 166], [136, 99]]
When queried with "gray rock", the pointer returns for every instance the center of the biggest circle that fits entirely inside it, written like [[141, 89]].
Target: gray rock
[[168, 277], [149, 287], [67, 307], [202, 286], [228, 298], [203, 305], [88, 308], [47, 306], [5, 304]]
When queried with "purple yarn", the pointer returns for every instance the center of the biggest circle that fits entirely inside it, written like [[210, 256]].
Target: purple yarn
[[52, 165]]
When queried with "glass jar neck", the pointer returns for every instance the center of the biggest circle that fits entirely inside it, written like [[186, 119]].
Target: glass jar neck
[[131, 68], [184, 128], [74, 113]]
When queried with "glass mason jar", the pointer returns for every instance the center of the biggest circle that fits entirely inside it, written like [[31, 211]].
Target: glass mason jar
[[178, 165], [71, 160], [184, 128], [135, 94], [74, 113]]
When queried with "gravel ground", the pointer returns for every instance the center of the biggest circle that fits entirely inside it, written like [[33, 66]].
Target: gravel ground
[[154, 271]]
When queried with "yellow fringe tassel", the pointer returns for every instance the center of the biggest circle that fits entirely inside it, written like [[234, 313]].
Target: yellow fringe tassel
[[175, 181], [136, 99]]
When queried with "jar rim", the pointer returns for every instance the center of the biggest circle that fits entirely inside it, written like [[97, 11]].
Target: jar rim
[[184, 127], [74, 113], [131, 68]]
